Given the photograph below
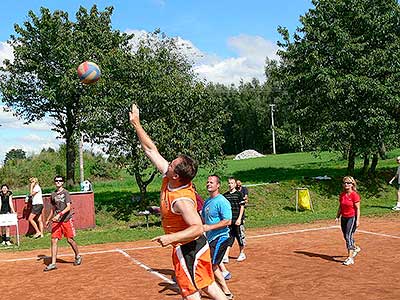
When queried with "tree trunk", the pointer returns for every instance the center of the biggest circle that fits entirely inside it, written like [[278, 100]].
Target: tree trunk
[[143, 188], [351, 162], [374, 163], [70, 156], [382, 151], [366, 164]]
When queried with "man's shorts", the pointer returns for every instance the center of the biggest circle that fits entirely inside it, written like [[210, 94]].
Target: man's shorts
[[60, 229], [218, 248], [37, 209], [192, 264]]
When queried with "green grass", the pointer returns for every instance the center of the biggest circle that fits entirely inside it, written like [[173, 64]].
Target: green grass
[[271, 204]]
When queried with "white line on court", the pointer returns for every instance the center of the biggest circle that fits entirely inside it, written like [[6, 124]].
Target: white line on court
[[379, 234], [148, 269], [291, 232], [153, 247]]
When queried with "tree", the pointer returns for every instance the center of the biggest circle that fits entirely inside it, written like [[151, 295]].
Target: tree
[[42, 80], [342, 74], [14, 154], [176, 110]]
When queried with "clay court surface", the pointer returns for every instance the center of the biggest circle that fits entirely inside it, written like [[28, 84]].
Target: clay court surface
[[293, 262]]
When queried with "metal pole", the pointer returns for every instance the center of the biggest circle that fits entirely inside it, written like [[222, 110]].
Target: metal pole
[[81, 159], [273, 128]]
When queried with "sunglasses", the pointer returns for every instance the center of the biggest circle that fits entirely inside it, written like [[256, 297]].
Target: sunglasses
[[58, 180], [347, 183]]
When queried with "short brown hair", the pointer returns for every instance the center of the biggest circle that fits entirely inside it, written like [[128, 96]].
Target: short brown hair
[[186, 168]]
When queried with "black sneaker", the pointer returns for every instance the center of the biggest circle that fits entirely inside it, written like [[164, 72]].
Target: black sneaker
[[78, 260], [50, 267]]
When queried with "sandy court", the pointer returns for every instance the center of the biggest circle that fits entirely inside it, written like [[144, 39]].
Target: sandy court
[[291, 262]]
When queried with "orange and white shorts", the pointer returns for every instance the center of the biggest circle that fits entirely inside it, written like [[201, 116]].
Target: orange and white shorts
[[60, 229], [192, 264]]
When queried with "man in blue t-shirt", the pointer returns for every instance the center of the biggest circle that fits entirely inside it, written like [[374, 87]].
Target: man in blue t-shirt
[[217, 216]]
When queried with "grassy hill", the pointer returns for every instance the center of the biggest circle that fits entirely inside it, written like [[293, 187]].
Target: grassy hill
[[272, 198]]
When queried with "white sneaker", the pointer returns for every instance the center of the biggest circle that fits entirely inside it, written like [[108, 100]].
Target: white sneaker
[[241, 257], [225, 260], [349, 261], [356, 251], [8, 243], [396, 208], [3, 243]]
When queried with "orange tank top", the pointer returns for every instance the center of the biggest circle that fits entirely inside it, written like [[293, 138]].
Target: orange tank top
[[171, 221]]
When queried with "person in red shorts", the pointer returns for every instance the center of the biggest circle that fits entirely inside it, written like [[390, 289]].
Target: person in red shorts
[[181, 223], [349, 214], [62, 225]]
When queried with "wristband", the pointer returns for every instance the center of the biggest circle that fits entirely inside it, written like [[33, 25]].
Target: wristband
[[60, 213]]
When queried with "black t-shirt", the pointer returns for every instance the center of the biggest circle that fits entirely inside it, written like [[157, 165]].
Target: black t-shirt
[[236, 200], [5, 202]]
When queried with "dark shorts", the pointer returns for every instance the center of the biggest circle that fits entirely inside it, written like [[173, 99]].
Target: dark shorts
[[218, 248], [37, 209], [237, 232]]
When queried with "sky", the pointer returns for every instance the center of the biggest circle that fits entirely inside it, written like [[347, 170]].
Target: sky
[[230, 40]]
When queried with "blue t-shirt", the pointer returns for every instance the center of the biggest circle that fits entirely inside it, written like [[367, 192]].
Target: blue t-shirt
[[215, 210]]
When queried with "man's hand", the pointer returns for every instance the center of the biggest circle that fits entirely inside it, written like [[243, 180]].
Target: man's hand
[[134, 115], [163, 240], [238, 222]]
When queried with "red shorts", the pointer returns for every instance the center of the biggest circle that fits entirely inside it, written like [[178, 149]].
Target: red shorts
[[60, 229], [192, 264]]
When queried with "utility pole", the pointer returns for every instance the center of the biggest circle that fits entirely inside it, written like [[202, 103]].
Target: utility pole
[[272, 106], [81, 173]]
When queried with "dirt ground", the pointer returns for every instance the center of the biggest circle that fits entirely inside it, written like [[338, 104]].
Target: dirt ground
[[294, 262]]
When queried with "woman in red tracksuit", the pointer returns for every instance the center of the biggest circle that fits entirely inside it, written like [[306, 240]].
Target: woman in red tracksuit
[[349, 214]]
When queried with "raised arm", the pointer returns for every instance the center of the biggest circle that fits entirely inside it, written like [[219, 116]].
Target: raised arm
[[148, 145]]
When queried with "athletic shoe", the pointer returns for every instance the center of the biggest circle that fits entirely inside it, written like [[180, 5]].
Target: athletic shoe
[[356, 251], [3, 243], [225, 260], [227, 275], [78, 260], [349, 261], [8, 243], [229, 296], [396, 208], [241, 257], [50, 267], [38, 235]]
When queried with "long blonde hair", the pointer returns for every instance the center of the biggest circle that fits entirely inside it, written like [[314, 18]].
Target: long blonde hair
[[352, 180]]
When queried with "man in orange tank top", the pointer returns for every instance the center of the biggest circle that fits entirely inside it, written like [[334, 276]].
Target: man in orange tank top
[[181, 223]]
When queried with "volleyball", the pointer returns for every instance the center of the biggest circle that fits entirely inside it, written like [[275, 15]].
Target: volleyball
[[88, 72]]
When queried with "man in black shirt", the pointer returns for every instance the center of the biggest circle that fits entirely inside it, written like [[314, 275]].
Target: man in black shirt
[[236, 227]]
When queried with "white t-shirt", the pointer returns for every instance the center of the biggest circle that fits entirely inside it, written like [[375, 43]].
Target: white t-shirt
[[37, 198]]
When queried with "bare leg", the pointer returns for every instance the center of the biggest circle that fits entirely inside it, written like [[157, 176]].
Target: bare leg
[[194, 296], [222, 267], [220, 279], [214, 291], [74, 246], [31, 220], [54, 242], [398, 198], [41, 226]]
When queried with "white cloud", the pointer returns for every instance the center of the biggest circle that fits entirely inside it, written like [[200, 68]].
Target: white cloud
[[6, 52], [9, 121], [248, 63]]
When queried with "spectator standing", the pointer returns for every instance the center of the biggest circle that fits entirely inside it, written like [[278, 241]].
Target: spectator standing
[[62, 224], [397, 176], [37, 207], [243, 190], [236, 227], [6, 207]]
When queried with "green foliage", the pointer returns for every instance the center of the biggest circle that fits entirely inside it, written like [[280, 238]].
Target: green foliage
[[341, 74], [272, 203], [14, 154], [41, 81], [48, 163], [176, 110]]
